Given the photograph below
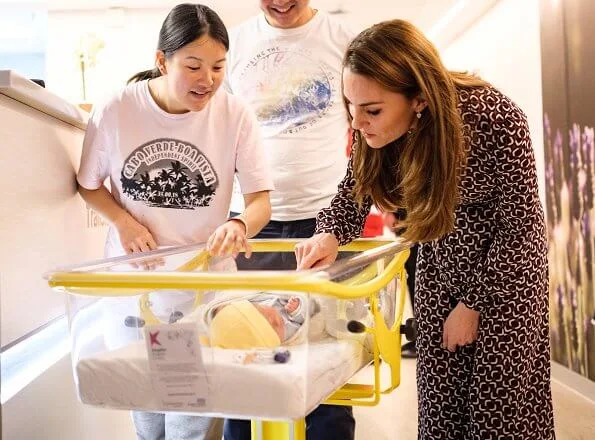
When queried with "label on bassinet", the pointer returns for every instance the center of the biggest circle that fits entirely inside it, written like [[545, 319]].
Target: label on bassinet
[[177, 371]]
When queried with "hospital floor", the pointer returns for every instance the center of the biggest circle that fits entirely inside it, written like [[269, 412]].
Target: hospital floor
[[395, 417]]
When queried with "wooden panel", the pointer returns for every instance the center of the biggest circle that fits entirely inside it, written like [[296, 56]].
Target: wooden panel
[[43, 221]]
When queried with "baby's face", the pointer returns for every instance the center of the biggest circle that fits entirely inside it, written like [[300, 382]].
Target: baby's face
[[274, 317]]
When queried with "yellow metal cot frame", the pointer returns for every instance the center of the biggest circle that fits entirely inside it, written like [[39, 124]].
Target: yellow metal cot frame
[[378, 263]]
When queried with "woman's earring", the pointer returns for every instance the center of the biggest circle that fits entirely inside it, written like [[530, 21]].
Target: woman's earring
[[418, 115]]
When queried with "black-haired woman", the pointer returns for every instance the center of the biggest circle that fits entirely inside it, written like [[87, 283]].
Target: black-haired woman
[[171, 143]]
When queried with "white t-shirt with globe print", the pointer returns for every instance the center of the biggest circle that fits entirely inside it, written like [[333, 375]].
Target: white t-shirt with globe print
[[172, 172], [292, 80]]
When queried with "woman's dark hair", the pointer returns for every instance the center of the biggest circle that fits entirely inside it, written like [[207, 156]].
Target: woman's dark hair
[[184, 24]]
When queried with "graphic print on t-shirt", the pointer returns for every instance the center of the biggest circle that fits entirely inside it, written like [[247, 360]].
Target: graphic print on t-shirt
[[289, 89], [169, 173]]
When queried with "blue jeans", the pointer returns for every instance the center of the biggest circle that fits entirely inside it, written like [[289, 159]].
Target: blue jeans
[[277, 260], [172, 426], [327, 422]]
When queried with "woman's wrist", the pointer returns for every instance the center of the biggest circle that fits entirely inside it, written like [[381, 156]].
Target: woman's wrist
[[121, 218], [328, 235], [241, 218], [326, 231]]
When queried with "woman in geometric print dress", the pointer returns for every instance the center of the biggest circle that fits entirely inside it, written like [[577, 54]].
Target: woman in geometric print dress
[[456, 154]]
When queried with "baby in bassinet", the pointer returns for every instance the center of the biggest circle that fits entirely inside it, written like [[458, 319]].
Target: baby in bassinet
[[263, 320]]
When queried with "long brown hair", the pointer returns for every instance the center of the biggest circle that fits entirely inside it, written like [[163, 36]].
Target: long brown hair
[[420, 171]]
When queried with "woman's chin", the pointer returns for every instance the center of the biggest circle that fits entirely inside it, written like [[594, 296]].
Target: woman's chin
[[376, 142], [197, 106], [379, 142]]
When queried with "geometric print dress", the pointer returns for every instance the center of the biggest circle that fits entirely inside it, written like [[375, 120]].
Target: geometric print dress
[[495, 262]]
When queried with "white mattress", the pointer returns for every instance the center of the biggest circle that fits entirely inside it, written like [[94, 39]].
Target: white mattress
[[121, 379]]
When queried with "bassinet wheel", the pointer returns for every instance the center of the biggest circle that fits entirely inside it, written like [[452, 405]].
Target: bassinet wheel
[[356, 327]]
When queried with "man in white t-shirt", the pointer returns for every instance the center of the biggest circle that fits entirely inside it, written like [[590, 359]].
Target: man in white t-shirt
[[286, 64]]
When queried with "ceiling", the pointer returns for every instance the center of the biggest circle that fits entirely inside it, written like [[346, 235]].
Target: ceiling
[[442, 20]]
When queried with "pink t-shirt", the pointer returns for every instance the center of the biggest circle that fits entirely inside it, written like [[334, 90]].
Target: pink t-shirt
[[172, 172]]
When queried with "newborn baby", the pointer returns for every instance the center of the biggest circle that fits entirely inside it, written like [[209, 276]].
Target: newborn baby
[[260, 321]]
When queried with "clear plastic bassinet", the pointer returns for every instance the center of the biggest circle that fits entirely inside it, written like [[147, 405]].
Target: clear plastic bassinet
[[143, 325]]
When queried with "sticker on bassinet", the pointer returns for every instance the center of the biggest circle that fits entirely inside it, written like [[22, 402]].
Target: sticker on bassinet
[[177, 371]]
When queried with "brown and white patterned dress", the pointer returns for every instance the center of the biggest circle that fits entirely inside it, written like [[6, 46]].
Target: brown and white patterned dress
[[495, 261]]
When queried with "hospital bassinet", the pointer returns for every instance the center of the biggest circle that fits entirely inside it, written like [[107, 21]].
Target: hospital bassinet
[[140, 339]]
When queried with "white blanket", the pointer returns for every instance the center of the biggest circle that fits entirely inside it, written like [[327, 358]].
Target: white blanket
[[121, 379]]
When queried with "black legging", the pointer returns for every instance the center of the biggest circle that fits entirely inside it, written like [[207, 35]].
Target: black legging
[[400, 214], [410, 269]]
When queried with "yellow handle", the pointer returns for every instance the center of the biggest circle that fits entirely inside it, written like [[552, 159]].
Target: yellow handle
[[113, 284]]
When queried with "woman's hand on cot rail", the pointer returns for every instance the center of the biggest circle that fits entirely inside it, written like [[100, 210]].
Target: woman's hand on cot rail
[[229, 239], [134, 237], [319, 250], [232, 236]]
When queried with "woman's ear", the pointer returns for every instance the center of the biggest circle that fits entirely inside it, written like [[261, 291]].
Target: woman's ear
[[160, 62], [419, 104]]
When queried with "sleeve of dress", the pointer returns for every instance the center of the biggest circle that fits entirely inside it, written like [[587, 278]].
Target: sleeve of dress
[[517, 256], [344, 218]]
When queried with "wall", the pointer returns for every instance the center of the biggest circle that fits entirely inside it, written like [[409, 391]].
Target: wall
[[130, 35], [23, 35], [129, 39], [45, 223], [569, 120], [503, 47], [543, 59]]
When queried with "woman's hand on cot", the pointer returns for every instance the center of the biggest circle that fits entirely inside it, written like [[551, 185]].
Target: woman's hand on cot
[[134, 237], [320, 250], [460, 327], [229, 239]]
